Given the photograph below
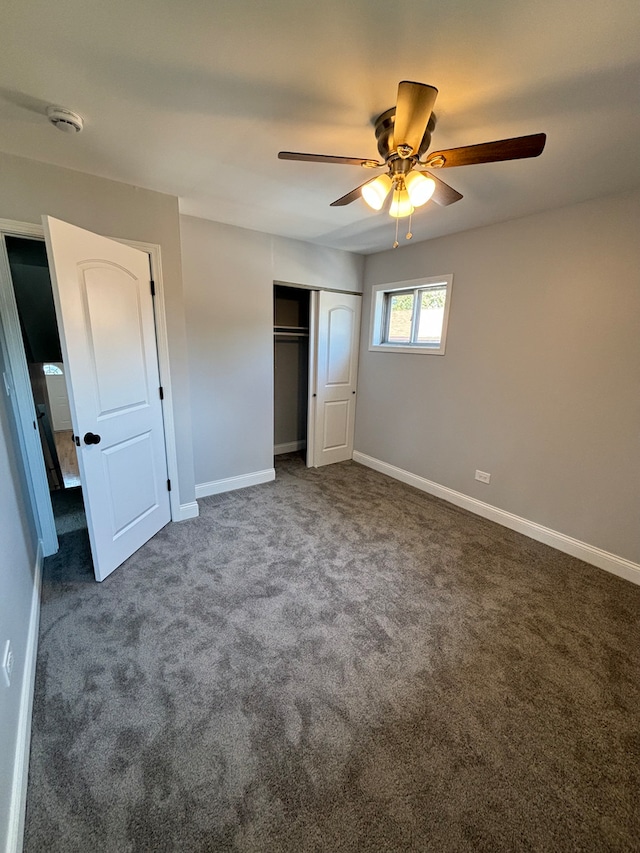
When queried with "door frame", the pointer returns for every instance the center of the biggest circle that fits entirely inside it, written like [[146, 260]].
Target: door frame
[[21, 394], [313, 378]]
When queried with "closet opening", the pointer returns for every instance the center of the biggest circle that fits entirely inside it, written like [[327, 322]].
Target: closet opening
[[292, 324]]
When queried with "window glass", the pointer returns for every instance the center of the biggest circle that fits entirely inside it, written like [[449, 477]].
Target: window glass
[[52, 370], [431, 315], [400, 317]]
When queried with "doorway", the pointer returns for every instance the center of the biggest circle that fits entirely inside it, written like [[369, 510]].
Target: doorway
[[41, 459], [36, 311], [31, 281]]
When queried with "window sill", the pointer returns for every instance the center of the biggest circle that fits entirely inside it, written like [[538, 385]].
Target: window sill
[[423, 350]]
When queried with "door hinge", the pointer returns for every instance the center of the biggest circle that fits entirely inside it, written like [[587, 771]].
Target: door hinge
[[168, 485], [153, 287], [161, 393], [34, 425]]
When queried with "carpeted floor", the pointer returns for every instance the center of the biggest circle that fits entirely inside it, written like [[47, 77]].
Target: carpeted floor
[[332, 663], [68, 509]]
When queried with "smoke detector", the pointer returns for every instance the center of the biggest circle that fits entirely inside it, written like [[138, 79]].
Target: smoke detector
[[65, 120]]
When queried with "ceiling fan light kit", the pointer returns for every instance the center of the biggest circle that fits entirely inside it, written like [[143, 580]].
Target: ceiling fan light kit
[[403, 134], [376, 191], [420, 187], [400, 204]]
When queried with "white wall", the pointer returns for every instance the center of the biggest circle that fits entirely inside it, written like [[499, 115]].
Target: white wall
[[228, 276], [17, 564], [540, 384], [29, 189]]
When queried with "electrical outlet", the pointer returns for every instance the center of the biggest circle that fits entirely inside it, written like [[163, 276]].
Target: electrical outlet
[[7, 663], [483, 476]]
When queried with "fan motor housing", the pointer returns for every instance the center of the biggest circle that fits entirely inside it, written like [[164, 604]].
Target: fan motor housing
[[384, 134]]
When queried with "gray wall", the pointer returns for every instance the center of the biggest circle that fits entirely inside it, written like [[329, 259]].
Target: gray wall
[[17, 562], [228, 278], [540, 384], [315, 266], [29, 189]]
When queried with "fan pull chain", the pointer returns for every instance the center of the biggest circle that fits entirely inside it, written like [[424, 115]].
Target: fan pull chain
[[396, 244], [409, 233]]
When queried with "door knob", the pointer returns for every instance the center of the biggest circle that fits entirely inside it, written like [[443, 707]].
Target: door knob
[[90, 438]]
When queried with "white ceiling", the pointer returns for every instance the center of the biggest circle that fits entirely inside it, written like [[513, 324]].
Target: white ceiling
[[196, 97]]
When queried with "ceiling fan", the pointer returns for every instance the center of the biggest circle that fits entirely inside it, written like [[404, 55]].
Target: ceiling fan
[[404, 136]]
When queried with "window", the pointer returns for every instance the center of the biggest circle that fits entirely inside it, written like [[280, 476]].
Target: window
[[411, 316], [52, 370]]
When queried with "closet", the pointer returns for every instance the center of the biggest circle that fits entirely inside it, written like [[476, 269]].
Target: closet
[[291, 313]]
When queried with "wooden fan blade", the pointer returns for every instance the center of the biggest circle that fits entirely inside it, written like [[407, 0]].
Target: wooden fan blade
[[443, 193], [327, 158], [349, 197], [517, 148], [413, 109]]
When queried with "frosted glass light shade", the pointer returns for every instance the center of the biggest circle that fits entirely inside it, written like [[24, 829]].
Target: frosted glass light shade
[[375, 192], [420, 188], [401, 204]]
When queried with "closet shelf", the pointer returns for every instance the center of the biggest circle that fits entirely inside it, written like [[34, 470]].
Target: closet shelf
[[292, 331], [281, 328]]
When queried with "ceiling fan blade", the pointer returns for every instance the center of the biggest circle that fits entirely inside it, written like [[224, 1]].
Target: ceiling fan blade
[[328, 158], [443, 193], [349, 197], [413, 109], [517, 148]]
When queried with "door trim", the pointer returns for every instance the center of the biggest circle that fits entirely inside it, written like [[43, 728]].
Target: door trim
[[162, 346], [16, 364], [313, 379]]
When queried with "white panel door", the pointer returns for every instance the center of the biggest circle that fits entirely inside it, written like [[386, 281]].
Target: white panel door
[[105, 314], [58, 398], [338, 334]]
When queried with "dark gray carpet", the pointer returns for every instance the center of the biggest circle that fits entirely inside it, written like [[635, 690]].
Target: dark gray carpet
[[335, 662], [68, 508]]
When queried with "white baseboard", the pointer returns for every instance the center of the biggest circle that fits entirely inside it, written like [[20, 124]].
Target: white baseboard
[[17, 808], [188, 510], [590, 554], [228, 484], [289, 447]]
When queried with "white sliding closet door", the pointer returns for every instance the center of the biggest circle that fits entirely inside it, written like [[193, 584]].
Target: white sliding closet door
[[336, 370]]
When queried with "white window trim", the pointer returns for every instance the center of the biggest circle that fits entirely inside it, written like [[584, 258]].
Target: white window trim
[[378, 293]]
